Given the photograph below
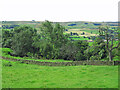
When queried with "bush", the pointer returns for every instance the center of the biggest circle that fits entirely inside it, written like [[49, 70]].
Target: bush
[[95, 57], [9, 64], [80, 56], [29, 54], [22, 40], [68, 51]]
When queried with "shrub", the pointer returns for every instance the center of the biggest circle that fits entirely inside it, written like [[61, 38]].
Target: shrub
[[80, 56], [9, 64], [22, 40]]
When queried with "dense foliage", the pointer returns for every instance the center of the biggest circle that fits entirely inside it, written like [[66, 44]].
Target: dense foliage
[[51, 43]]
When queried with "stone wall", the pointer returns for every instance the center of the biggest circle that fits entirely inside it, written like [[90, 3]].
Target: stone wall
[[74, 63]]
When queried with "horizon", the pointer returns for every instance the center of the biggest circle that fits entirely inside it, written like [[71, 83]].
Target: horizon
[[54, 21]]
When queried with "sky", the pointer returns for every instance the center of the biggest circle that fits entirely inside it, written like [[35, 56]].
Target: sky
[[59, 10]]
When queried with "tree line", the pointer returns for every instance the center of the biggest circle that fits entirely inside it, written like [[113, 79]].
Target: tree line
[[51, 43]]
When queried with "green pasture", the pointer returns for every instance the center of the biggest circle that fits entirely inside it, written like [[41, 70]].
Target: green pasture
[[81, 38], [89, 31], [33, 76]]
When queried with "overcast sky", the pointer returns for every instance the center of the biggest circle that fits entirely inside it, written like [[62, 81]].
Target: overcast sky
[[59, 10]]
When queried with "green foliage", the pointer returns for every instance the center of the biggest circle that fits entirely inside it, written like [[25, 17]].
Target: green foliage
[[5, 53], [80, 56], [97, 57], [110, 36], [6, 50], [22, 40], [46, 50], [52, 43], [74, 50], [53, 33], [68, 51], [97, 50], [51, 39], [7, 64], [81, 47], [6, 38], [29, 54]]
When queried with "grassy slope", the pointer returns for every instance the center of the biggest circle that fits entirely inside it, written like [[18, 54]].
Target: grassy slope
[[34, 76]]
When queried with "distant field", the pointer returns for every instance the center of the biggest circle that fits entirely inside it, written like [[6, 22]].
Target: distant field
[[79, 38], [33, 76], [80, 31], [91, 31]]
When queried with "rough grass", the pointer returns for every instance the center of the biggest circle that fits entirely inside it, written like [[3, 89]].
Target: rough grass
[[34, 76]]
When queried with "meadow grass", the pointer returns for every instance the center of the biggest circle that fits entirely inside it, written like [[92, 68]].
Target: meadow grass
[[33, 76]]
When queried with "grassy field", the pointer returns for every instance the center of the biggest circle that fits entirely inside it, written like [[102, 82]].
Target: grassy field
[[80, 31], [80, 38], [93, 31], [33, 76]]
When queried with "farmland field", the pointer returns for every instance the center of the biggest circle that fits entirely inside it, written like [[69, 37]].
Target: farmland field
[[80, 31], [93, 31], [34, 76]]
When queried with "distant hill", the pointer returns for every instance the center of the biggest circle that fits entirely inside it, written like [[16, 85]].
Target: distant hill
[[79, 27]]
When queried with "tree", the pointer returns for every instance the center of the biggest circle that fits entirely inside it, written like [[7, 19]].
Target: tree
[[97, 50], [68, 51], [53, 33], [22, 40], [52, 36], [110, 37], [74, 50], [6, 38]]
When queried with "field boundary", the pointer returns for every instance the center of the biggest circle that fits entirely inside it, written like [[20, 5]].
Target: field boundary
[[74, 63]]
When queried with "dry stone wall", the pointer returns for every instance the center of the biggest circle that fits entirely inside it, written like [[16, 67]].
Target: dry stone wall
[[74, 63]]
